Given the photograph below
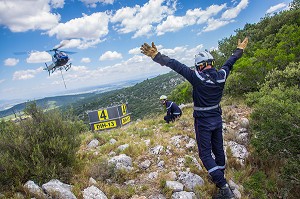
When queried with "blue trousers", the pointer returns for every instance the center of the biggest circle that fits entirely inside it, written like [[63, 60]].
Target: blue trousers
[[210, 140], [171, 118]]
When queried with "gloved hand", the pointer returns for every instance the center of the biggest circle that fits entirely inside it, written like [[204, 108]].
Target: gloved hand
[[150, 51], [242, 45]]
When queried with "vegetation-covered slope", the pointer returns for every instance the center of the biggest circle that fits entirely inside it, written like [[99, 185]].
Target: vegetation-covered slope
[[267, 76], [142, 98], [46, 155]]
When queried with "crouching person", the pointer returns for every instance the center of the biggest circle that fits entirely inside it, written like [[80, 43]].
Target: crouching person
[[173, 111]]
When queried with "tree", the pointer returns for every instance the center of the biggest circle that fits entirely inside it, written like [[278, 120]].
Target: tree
[[295, 4]]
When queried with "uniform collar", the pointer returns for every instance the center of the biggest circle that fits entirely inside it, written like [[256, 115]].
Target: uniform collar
[[209, 70]]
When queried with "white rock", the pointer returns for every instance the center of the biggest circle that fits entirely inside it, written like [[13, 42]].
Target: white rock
[[93, 144], [93, 192], [112, 141], [57, 189], [174, 185], [123, 147], [244, 122], [184, 195], [121, 161], [153, 175], [34, 190]]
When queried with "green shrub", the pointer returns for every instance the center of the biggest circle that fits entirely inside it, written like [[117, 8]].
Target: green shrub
[[255, 185], [39, 148], [182, 93], [245, 77], [275, 126], [275, 121]]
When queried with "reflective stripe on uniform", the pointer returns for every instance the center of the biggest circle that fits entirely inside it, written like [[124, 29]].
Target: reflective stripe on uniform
[[205, 108], [216, 168], [176, 113], [170, 105], [199, 76], [222, 80], [213, 169]]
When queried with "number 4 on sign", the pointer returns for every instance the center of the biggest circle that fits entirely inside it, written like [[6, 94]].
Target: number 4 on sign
[[103, 115], [123, 109]]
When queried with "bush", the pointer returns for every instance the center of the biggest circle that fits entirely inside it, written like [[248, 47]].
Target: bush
[[275, 124], [40, 148], [256, 185], [245, 77], [182, 93]]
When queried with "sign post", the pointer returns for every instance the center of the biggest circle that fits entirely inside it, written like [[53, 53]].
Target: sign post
[[109, 118]]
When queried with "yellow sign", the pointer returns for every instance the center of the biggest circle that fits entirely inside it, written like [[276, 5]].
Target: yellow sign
[[124, 109], [126, 119], [103, 115], [105, 125]]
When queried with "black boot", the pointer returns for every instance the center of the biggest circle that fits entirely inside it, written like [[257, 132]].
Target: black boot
[[224, 193]]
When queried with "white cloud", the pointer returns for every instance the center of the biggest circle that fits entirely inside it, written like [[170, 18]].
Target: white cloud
[[39, 57], [214, 24], [79, 68], [109, 55], [80, 43], [192, 17], [85, 60], [21, 16], [89, 43], [134, 51], [26, 74], [276, 7], [57, 3], [138, 66], [234, 12], [72, 43], [140, 19], [93, 3], [11, 62], [2, 80], [88, 27]]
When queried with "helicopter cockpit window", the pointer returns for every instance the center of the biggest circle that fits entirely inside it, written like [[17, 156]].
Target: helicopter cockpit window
[[62, 55]]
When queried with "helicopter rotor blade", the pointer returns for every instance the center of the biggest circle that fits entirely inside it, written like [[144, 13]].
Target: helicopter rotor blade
[[62, 43], [68, 52]]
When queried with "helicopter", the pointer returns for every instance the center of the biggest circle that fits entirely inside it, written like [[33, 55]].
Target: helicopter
[[59, 60]]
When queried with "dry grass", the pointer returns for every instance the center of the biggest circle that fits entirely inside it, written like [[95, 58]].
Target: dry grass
[[159, 133]]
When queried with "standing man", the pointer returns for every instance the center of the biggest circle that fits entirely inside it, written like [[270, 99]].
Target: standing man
[[208, 84], [173, 111]]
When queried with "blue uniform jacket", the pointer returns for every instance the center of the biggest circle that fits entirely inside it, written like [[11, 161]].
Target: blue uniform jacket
[[207, 91], [172, 108]]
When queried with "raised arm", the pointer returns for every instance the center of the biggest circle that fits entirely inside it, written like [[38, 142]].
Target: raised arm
[[235, 56], [151, 51]]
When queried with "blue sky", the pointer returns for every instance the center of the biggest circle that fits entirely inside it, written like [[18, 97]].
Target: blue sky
[[107, 35]]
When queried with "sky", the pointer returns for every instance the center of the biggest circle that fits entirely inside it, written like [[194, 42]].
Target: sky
[[106, 36]]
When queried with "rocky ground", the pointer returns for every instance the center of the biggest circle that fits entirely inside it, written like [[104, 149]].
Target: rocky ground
[[158, 161]]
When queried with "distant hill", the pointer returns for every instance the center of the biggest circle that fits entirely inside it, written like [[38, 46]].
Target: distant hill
[[142, 98], [45, 103], [62, 100]]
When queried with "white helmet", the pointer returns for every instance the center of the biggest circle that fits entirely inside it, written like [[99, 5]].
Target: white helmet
[[203, 56], [163, 97]]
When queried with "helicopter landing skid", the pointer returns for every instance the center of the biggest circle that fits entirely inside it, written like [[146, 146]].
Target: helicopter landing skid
[[67, 67]]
